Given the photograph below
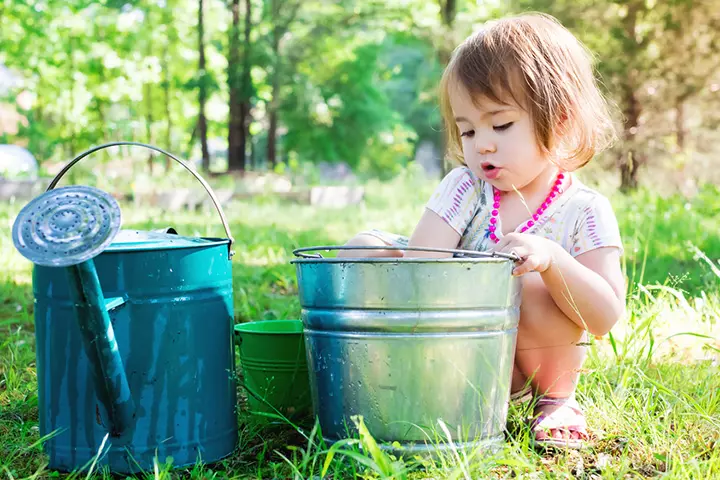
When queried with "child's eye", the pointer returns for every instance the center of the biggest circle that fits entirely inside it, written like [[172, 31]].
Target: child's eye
[[502, 128], [468, 134]]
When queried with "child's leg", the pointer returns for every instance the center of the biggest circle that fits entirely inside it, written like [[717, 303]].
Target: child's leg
[[368, 240], [547, 350]]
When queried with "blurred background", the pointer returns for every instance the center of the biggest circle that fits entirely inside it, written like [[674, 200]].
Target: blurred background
[[300, 92]]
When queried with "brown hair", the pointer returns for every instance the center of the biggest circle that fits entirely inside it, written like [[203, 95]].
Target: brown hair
[[546, 71]]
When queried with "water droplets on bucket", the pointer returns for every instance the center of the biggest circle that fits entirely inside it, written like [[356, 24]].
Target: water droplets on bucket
[[413, 345]]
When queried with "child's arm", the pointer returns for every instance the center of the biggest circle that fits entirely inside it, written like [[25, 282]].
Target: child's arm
[[447, 213], [589, 289], [432, 231]]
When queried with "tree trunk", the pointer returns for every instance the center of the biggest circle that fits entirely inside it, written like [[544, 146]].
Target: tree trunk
[[103, 121], [680, 124], [274, 102], [73, 134], [630, 160], [252, 162], [247, 87], [448, 11], [101, 105], [148, 124], [235, 123], [628, 171], [241, 92], [166, 95], [272, 138], [202, 97]]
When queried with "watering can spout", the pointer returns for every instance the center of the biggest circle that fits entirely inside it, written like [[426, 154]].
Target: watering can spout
[[101, 347]]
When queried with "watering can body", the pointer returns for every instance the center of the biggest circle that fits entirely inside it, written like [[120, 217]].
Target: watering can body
[[134, 334], [169, 299]]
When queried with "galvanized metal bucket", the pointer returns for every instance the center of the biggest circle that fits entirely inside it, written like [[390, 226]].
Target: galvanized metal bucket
[[134, 338], [422, 349]]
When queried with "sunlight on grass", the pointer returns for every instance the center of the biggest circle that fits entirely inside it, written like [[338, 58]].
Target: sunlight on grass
[[650, 387]]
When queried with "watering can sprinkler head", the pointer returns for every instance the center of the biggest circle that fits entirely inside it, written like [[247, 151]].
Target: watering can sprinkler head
[[66, 226]]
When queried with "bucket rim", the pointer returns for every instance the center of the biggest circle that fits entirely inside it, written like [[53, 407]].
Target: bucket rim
[[284, 327], [455, 254], [399, 260]]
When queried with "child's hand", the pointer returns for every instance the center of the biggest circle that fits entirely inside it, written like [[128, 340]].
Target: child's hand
[[536, 253]]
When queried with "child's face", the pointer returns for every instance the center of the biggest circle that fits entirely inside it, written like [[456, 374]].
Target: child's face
[[498, 141]]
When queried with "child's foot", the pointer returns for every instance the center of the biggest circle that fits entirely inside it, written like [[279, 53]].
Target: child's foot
[[559, 422]]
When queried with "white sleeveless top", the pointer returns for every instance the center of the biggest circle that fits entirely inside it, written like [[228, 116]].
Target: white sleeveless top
[[580, 219]]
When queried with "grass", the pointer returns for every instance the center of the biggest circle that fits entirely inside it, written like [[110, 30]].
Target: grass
[[651, 388]]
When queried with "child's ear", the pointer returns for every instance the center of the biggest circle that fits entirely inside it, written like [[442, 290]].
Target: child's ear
[[562, 127], [562, 122]]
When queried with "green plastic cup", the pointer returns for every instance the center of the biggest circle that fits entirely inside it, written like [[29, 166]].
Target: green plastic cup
[[272, 355]]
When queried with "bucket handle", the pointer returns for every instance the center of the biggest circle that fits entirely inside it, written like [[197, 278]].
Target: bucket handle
[[202, 181], [300, 252]]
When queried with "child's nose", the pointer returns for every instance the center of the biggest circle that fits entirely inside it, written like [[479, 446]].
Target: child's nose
[[484, 143]]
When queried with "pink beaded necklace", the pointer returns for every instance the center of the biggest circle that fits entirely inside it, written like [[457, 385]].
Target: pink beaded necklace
[[554, 192]]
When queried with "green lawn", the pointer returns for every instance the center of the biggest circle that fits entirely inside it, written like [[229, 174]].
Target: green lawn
[[652, 389]]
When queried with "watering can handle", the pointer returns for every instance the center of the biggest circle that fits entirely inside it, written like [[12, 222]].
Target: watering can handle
[[209, 190], [301, 252]]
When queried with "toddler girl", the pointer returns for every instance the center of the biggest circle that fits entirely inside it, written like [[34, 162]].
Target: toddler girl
[[522, 111]]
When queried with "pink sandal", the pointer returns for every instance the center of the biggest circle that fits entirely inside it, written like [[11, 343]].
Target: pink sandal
[[568, 418]]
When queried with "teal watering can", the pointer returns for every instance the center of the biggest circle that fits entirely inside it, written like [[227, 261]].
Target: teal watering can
[[134, 333]]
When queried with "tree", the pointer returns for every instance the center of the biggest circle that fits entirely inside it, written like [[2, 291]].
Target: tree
[[169, 39], [280, 27], [241, 88], [333, 80], [236, 147], [687, 57], [202, 90], [634, 47]]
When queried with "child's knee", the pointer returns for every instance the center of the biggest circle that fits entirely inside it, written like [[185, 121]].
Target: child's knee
[[541, 321]]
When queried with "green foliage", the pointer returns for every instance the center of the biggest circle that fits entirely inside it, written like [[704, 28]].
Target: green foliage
[[662, 234], [345, 74], [343, 111], [409, 80], [387, 153]]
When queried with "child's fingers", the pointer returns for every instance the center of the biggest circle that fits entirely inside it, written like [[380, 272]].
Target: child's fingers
[[521, 269], [527, 266], [518, 250]]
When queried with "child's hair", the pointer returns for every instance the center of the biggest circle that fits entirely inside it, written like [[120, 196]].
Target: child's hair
[[546, 71]]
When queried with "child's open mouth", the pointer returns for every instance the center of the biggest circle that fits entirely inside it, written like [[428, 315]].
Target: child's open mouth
[[490, 170]]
